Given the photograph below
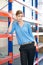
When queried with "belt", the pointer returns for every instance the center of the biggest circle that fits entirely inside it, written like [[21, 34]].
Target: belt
[[28, 43]]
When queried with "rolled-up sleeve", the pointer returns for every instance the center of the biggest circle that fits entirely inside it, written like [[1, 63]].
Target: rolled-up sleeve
[[30, 30], [13, 28]]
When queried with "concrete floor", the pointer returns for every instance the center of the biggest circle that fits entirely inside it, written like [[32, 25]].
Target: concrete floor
[[17, 62]]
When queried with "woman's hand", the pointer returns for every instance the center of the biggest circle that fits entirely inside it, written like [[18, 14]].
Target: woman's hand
[[37, 49], [14, 17]]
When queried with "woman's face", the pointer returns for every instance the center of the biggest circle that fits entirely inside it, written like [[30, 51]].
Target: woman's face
[[19, 17]]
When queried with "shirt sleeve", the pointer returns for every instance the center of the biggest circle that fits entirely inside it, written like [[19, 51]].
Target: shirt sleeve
[[30, 30], [13, 28]]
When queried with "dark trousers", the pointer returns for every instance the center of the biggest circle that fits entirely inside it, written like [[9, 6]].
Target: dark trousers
[[27, 53]]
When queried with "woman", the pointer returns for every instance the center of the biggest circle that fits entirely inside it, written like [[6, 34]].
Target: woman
[[25, 39]]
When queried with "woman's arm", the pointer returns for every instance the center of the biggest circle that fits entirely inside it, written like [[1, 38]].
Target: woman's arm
[[30, 30], [10, 27]]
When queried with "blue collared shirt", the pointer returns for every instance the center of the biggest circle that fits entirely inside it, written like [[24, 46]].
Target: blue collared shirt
[[24, 33]]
